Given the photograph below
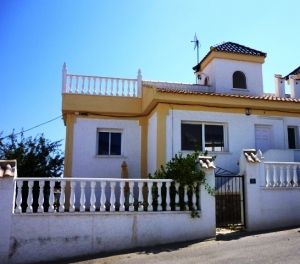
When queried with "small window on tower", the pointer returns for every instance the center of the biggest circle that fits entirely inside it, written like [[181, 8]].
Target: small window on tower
[[239, 80]]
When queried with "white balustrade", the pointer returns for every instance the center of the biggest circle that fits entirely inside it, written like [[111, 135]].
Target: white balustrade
[[281, 174], [115, 195], [97, 85]]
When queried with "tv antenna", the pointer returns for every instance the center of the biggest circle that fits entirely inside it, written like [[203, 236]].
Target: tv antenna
[[196, 45]]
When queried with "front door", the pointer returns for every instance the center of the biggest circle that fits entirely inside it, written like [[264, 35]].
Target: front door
[[263, 137]]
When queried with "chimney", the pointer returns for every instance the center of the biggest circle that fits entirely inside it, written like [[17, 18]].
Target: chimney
[[295, 86], [279, 86]]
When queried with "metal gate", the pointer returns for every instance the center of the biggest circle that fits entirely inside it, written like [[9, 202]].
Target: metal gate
[[229, 195]]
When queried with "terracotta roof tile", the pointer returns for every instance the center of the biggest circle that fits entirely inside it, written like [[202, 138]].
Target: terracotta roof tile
[[206, 162], [251, 156], [294, 72], [231, 47], [265, 97], [8, 168]]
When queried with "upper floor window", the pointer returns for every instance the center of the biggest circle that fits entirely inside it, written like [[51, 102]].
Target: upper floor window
[[239, 80], [109, 142]]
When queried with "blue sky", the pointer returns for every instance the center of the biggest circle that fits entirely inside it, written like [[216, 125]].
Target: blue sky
[[115, 38]]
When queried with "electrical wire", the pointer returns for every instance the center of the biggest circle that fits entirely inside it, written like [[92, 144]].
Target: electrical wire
[[26, 130]]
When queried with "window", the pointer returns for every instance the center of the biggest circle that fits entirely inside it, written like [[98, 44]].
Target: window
[[239, 80], [293, 137], [203, 136], [109, 143]]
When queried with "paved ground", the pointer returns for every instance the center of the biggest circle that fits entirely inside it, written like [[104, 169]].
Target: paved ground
[[273, 247]]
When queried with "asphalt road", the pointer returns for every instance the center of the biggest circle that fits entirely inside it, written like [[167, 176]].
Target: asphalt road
[[273, 247]]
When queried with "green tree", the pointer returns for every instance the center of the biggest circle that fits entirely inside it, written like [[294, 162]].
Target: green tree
[[36, 157]]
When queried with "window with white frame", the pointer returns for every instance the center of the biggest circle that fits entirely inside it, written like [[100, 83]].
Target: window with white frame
[[109, 142], [203, 136]]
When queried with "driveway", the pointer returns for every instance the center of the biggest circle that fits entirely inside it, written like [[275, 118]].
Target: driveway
[[273, 247]]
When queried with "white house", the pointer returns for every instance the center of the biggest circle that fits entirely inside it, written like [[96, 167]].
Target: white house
[[145, 123]]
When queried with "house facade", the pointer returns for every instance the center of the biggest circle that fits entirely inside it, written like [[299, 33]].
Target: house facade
[[145, 123]]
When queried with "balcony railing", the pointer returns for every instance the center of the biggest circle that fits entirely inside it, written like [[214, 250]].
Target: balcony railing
[[49, 195], [96, 85], [281, 174]]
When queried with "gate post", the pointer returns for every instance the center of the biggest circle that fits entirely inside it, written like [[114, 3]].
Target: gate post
[[207, 203], [7, 171], [253, 173]]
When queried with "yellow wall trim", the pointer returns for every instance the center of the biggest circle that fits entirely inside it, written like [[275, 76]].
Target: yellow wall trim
[[162, 111], [70, 121], [143, 122]]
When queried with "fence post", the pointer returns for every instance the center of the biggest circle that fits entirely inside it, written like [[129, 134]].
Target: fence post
[[207, 204], [252, 184], [7, 171]]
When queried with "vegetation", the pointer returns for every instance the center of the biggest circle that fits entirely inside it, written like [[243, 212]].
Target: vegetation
[[186, 171], [36, 157]]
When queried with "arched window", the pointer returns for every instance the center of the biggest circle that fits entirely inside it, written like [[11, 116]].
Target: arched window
[[239, 80]]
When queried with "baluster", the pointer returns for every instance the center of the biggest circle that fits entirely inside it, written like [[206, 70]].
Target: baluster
[[140, 197], [282, 177], [82, 196], [62, 197], [168, 200], [82, 85], [72, 196], [295, 178], [103, 196], [94, 89], [112, 196], [128, 87], [131, 199], [275, 180], [288, 176], [150, 199], [122, 197], [159, 200], [93, 197], [19, 197], [106, 83], [89, 84], [117, 87], [41, 197], [77, 85], [194, 205], [111, 86], [29, 197], [177, 205], [51, 197], [100, 86], [268, 176], [133, 88], [70, 83], [186, 198], [122, 87]]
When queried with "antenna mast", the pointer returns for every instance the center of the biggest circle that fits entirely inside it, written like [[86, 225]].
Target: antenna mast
[[196, 45]]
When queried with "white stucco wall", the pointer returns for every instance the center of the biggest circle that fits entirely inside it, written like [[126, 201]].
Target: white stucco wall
[[269, 208], [85, 161], [240, 133], [220, 73], [48, 237], [152, 143]]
